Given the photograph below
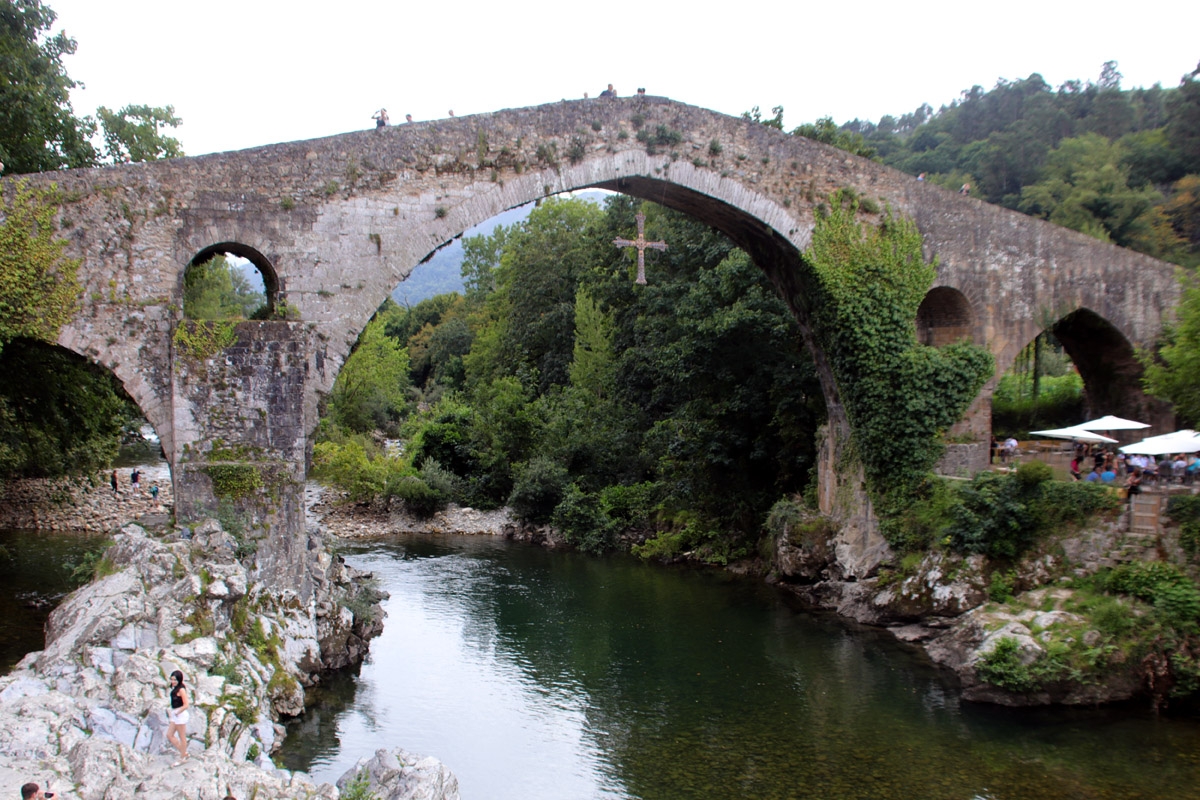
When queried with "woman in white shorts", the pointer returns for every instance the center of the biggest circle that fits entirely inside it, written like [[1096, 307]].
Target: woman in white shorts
[[178, 717]]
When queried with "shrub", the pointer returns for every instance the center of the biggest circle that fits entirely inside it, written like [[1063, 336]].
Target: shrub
[[1003, 667], [631, 506], [441, 480], [923, 519], [1185, 510], [1062, 503], [418, 497], [1174, 596], [538, 489], [582, 521], [1032, 473], [992, 518]]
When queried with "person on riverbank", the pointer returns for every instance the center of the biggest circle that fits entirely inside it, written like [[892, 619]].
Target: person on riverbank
[[113, 480], [1134, 484], [154, 491], [134, 480], [178, 716]]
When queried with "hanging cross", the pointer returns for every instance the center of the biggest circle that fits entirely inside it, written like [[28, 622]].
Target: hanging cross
[[641, 244]]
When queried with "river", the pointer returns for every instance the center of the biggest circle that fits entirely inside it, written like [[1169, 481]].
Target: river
[[545, 675]]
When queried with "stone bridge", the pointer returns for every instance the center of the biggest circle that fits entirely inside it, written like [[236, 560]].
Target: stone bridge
[[334, 224]]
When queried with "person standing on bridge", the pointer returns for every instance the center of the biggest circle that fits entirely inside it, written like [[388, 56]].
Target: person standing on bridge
[[381, 118]]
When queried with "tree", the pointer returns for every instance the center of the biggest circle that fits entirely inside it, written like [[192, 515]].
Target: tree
[[370, 391], [825, 131], [38, 288], [1173, 372], [135, 133], [38, 127], [64, 416], [218, 290]]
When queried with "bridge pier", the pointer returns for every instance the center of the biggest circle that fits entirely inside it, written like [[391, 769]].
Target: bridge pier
[[241, 437]]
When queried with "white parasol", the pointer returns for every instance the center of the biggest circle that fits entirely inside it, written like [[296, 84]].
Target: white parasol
[[1185, 441], [1075, 432], [1111, 423]]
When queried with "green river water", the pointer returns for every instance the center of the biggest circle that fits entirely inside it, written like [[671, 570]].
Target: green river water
[[552, 676]]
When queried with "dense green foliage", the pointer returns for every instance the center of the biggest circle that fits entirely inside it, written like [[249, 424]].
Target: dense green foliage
[[371, 391], [64, 417], [38, 289], [899, 395], [1173, 371], [682, 409], [217, 290], [1004, 515], [1121, 165], [38, 128]]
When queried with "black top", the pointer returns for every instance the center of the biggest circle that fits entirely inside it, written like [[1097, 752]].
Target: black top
[[176, 700]]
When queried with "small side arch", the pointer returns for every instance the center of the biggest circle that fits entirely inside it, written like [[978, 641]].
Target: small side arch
[[270, 277], [944, 317]]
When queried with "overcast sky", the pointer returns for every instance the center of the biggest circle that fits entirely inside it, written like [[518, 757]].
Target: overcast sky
[[243, 73]]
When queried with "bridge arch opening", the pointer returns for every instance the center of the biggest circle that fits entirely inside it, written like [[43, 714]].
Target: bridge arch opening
[[230, 280], [1079, 367], [62, 414], [1107, 363], [604, 446], [944, 317]]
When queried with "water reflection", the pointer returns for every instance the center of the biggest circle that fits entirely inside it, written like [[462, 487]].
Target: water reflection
[[35, 574], [538, 674]]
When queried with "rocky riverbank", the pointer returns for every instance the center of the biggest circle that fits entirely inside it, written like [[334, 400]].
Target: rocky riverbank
[[86, 715], [85, 503], [960, 610]]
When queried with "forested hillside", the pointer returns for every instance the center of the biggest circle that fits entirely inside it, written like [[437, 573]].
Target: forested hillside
[[1122, 165]]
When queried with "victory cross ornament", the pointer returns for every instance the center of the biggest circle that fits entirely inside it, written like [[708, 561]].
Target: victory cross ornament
[[641, 244]]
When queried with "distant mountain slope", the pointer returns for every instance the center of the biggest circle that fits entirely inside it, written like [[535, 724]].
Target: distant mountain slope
[[443, 273]]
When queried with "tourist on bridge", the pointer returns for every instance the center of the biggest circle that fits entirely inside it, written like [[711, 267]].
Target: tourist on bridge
[[381, 118]]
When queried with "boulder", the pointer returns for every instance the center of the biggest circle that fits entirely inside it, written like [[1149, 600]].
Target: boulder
[[399, 775]]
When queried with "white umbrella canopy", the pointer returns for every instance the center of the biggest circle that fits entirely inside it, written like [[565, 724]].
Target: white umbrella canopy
[[1075, 432], [1111, 423], [1185, 441]]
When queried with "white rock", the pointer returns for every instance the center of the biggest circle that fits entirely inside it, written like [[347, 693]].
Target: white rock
[[23, 687]]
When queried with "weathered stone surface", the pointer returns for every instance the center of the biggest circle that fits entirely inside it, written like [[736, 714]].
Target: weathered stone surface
[[400, 775], [90, 711]]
